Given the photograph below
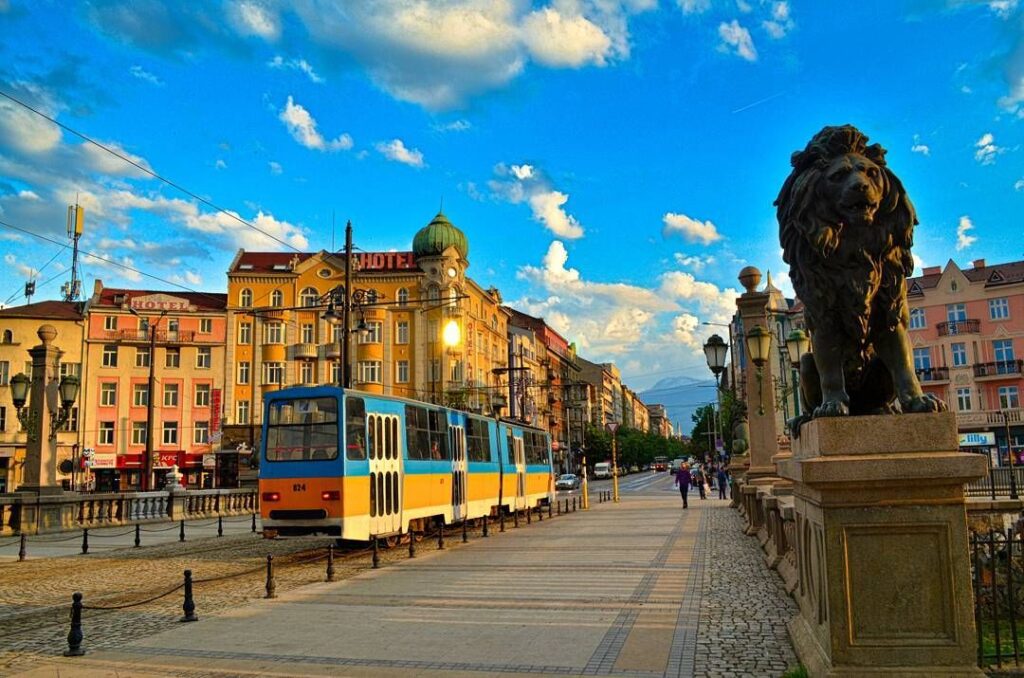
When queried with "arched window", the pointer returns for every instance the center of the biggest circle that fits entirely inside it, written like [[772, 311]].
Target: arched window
[[433, 293], [453, 297], [309, 297], [277, 298], [8, 337], [245, 298], [403, 296], [494, 323]]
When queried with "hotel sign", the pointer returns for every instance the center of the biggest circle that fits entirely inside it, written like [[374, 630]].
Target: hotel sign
[[160, 302], [386, 261]]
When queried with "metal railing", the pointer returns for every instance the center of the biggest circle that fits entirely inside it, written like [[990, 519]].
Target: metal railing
[[999, 368], [997, 573], [951, 328], [933, 374], [996, 484], [162, 336]]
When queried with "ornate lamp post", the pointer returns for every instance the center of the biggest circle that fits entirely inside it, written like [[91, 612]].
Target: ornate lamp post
[[497, 405], [797, 344], [759, 344], [40, 421], [715, 351]]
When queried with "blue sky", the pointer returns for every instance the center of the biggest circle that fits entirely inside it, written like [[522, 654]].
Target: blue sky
[[613, 163]]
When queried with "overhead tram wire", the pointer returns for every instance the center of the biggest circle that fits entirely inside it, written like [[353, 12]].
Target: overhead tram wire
[[38, 271], [148, 171]]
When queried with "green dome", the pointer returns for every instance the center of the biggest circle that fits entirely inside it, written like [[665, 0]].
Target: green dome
[[439, 235]]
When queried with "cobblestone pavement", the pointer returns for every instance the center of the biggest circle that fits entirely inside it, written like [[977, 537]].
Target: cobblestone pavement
[[642, 589], [744, 607]]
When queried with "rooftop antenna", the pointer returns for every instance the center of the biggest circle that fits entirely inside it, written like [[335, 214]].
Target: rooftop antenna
[[72, 289], [30, 289]]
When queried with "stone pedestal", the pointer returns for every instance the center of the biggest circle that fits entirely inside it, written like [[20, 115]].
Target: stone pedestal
[[882, 556]]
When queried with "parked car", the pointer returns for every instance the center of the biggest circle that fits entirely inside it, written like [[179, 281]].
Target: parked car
[[567, 481]]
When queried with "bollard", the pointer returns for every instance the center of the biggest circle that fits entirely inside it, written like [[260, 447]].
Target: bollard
[[558, 506], [254, 523], [412, 544], [85, 540], [440, 536], [21, 548], [220, 526], [465, 535], [181, 531], [529, 518], [486, 534], [376, 554], [549, 509], [189, 606], [271, 584], [501, 519], [138, 535], [75, 634], [515, 518], [330, 562], [540, 514]]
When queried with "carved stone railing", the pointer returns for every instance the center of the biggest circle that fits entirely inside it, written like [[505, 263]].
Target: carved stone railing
[[29, 513]]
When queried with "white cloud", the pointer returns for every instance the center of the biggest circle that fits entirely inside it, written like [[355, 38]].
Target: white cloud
[[564, 41], [23, 269], [736, 38], [918, 147], [963, 241], [303, 128], [25, 131], [695, 262], [142, 74], [258, 19], [26, 194], [693, 230], [275, 167], [525, 183], [396, 151], [986, 150], [220, 164], [781, 22], [918, 265], [694, 6], [301, 65], [1003, 8], [1018, 185], [460, 125]]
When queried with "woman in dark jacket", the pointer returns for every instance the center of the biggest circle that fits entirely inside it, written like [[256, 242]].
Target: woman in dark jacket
[[683, 482]]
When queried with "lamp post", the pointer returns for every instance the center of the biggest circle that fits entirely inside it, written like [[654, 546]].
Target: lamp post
[[759, 344], [1009, 454], [40, 421], [613, 428], [732, 363], [797, 344], [497, 405], [715, 352], [146, 479]]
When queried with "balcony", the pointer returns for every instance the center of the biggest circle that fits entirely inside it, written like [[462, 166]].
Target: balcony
[[987, 418], [1000, 369], [952, 328], [932, 375], [332, 351], [142, 336], [304, 351]]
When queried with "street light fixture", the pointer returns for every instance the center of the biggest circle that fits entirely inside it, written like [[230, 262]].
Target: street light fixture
[[715, 351], [67, 390], [797, 344], [759, 344]]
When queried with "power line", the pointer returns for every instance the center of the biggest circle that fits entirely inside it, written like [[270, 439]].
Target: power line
[[148, 171], [38, 271]]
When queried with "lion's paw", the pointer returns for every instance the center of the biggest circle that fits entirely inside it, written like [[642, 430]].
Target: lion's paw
[[832, 408], [925, 402]]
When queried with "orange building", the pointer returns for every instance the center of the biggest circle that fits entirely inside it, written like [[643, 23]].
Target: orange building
[[967, 333], [405, 303], [182, 335]]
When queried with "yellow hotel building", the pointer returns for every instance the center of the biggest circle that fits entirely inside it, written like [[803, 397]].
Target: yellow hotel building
[[278, 335]]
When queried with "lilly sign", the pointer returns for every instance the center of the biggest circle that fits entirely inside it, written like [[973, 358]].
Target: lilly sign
[[977, 439]]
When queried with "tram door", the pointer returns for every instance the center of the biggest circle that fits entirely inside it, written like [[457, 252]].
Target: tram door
[[383, 444], [520, 459], [457, 444]]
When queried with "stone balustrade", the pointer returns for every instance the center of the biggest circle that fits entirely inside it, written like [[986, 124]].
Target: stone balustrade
[[35, 514]]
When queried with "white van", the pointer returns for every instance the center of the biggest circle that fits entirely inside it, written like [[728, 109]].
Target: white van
[[602, 470]]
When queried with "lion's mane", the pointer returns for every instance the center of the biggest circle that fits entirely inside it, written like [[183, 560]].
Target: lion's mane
[[853, 278]]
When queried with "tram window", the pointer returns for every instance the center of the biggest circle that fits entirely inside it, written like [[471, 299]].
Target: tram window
[[302, 430], [373, 495], [379, 434], [417, 432], [478, 440], [438, 435], [511, 448], [355, 429], [393, 433]]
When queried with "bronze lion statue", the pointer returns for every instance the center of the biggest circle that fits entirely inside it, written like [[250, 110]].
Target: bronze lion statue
[[846, 227]]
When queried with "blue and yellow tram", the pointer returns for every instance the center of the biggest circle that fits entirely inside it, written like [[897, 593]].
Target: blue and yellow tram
[[357, 465]]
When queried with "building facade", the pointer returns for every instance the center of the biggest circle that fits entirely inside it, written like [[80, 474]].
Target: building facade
[[181, 337], [421, 328], [18, 327], [967, 336]]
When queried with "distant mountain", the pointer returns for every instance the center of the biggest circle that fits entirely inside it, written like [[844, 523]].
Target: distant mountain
[[681, 397]]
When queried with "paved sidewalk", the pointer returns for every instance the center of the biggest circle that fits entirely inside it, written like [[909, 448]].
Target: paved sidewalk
[[619, 590]]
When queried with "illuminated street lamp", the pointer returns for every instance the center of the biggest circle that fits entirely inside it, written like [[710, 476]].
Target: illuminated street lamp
[[797, 343], [759, 345], [715, 350]]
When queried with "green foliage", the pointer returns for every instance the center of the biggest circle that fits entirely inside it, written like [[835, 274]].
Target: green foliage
[[798, 672], [635, 448], [731, 411]]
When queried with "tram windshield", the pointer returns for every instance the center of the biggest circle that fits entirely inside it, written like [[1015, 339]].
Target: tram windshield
[[303, 429]]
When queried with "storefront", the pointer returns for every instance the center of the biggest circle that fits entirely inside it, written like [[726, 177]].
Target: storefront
[[122, 472], [981, 442]]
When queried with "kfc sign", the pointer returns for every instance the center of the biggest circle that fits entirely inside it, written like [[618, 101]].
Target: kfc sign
[[160, 302]]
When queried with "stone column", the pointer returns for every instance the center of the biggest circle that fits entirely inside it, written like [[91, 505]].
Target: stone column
[[882, 554], [753, 307], [40, 473]]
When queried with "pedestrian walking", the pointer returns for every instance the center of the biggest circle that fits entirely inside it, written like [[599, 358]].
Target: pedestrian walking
[[701, 481], [683, 482], [723, 481]]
